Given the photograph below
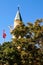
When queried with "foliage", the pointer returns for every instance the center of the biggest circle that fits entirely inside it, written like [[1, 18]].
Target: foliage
[[22, 50]]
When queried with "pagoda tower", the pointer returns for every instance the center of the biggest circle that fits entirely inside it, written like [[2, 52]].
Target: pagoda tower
[[17, 22]]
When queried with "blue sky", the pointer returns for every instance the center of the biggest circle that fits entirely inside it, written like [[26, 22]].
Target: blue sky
[[30, 11]]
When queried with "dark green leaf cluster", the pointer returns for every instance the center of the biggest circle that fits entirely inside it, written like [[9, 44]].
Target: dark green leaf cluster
[[22, 50]]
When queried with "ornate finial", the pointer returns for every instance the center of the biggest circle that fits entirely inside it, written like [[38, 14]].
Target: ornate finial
[[18, 7]]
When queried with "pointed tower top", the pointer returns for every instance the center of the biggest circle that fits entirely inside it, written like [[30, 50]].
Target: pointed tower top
[[18, 15]]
